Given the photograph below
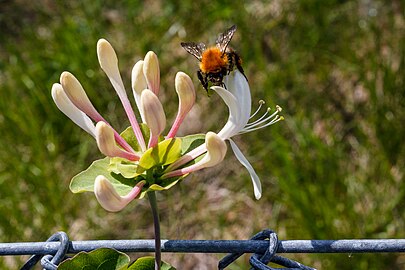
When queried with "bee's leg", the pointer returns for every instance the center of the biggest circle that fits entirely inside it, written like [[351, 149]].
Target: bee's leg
[[203, 80], [239, 66]]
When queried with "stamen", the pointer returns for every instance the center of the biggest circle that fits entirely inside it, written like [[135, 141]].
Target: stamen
[[263, 121], [261, 103], [275, 120], [258, 120]]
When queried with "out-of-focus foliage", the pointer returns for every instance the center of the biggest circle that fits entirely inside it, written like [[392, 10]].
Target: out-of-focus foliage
[[333, 169]]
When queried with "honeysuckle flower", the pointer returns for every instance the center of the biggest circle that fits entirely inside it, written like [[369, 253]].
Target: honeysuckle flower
[[139, 159], [237, 97]]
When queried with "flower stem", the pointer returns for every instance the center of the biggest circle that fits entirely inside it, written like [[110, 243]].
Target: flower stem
[[153, 205]]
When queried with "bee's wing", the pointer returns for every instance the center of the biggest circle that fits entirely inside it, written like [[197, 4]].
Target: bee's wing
[[195, 49], [224, 38]]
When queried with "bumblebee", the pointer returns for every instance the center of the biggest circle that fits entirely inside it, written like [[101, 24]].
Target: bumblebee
[[217, 61]]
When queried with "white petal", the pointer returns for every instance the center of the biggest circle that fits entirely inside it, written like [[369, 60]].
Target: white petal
[[231, 127], [241, 90], [70, 110], [257, 187]]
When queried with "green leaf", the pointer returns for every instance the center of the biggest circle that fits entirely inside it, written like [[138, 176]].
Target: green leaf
[[129, 136], [123, 166], [190, 142], [148, 263], [100, 259], [163, 153], [84, 181]]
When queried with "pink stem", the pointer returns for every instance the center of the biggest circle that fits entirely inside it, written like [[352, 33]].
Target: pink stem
[[133, 121], [176, 125], [153, 141], [188, 157]]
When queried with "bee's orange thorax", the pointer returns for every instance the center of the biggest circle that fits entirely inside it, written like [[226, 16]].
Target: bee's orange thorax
[[213, 60]]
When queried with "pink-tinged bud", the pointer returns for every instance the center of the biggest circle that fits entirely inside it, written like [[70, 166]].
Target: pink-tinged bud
[[106, 143], [109, 63], [151, 71], [216, 150], [154, 115], [70, 110], [138, 84], [74, 90], [186, 92], [109, 198], [107, 58]]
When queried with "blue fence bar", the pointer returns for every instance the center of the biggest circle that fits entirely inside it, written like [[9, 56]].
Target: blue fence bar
[[212, 246]]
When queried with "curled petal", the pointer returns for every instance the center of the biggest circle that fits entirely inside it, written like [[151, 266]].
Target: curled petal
[[70, 110], [151, 71], [186, 92], [216, 150], [109, 198], [231, 127], [106, 143], [138, 84], [154, 115], [257, 187]]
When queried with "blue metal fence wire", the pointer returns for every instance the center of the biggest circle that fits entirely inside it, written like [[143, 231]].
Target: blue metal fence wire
[[265, 247]]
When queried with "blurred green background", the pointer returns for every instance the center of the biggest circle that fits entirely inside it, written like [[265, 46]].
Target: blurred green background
[[333, 169]]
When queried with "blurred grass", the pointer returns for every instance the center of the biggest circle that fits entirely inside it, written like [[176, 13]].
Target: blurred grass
[[334, 169]]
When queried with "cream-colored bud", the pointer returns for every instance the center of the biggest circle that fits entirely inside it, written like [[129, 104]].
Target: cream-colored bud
[[64, 104], [153, 112], [216, 149], [107, 145], [186, 92], [138, 84], [74, 90], [138, 79], [107, 57], [151, 71], [109, 198]]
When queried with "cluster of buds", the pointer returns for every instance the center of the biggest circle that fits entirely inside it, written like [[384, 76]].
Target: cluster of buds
[[142, 158]]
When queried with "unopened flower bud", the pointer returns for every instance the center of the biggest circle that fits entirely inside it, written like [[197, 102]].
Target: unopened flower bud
[[151, 71], [106, 143], [153, 112], [138, 84], [186, 92], [109, 198], [107, 57], [74, 90], [64, 104]]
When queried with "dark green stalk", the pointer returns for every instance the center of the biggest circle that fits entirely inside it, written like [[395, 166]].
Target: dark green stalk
[[156, 223]]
